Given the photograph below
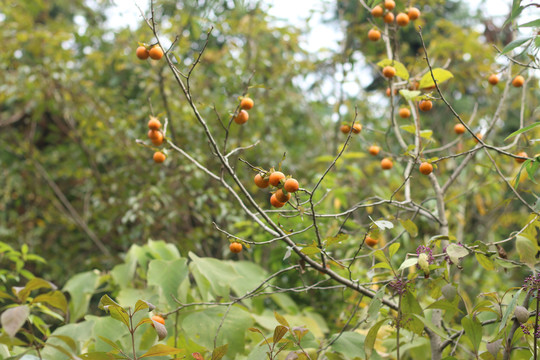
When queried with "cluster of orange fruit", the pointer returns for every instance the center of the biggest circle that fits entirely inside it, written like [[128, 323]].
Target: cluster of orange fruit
[[154, 52], [386, 163], [518, 81], [356, 128], [285, 186], [402, 19], [156, 136], [243, 116]]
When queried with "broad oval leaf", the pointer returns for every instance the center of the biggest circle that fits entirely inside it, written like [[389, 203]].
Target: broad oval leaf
[[13, 319], [401, 70], [161, 350], [441, 75]]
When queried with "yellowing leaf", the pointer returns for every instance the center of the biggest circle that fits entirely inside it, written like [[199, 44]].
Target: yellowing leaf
[[440, 75]]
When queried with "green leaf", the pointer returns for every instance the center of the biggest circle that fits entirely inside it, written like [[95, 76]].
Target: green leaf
[[375, 304], [485, 261], [401, 70], [456, 252], [522, 130], [509, 309], [534, 23], [111, 343], [81, 287], [97, 356], [473, 330], [514, 44], [161, 350], [409, 128], [311, 250], [106, 301], [34, 284], [437, 330], [526, 249], [279, 333], [369, 341], [410, 226], [220, 352], [426, 134], [119, 313], [280, 319], [167, 275], [531, 167], [350, 344], [443, 305], [55, 299], [440, 75], [408, 263], [409, 95], [141, 305], [13, 319], [392, 249]]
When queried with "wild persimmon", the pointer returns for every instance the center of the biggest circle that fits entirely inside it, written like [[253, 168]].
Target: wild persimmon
[[459, 129], [291, 185], [426, 168], [260, 181], [377, 11], [404, 113], [402, 19], [389, 4], [388, 18], [246, 103], [374, 34], [156, 52], [153, 134], [275, 202], [522, 154], [235, 247], [479, 136], [388, 92], [158, 319], [357, 128], [345, 129], [281, 196], [425, 105], [154, 123], [159, 157], [374, 150], [276, 177], [518, 81], [389, 71], [413, 13], [493, 79], [242, 117], [142, 53], [386, 164], [371, 242], [158, 139]]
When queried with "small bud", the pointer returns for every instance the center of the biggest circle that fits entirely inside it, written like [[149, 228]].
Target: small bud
[[521, 314], [449, 292]]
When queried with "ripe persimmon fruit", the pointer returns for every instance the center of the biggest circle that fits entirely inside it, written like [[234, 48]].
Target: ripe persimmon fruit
[[153, 134], [388, 92], [479, 136], [389, 71], [275, 202], [142, 53], [404, 113], [260, 181], [242, 117], [371, 242], [459, 129], [425, 105], [158, 319], [426, 168], [235, 247], [518, 81], [522, 154], [291, 185], [402, 19], [159, 157], [374, 150], [388, 18], [374, 34], [386, 164], [281, 196], [413, 13], [275, 178], [377, 11], [154, 123], [493, 79], [357, 128], [345, 129], [156, 52], [246, 103], [389, 4], [158, 140]]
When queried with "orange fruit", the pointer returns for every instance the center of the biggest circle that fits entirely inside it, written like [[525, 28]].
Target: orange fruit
[[357, 128], [518, 81], [275, 202], [459, 129], [389, 71], [425, 105], [153, 134], [158, 139], [246, 103], [235, 247], [402, 19], [260, 181], [159, 157], [154, 123], [386, 164], [414, 13], [404, 113], [522, 154], [493, 79], [389, 4], [426, 168], [158, 319], [275, 178], [371, 242], [281, 196], [388, 18], [388, 92], [345, 129], [374, 150], [156, 52], [374, 34], [142, 53], [242, 117], [291, 185], [480, 136], [377, 11]]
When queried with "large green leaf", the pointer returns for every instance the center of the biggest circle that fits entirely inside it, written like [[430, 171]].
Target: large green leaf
[[440, 75], [161, 350], [14, 318], [81, 287], [167, 275], [473, 330]]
